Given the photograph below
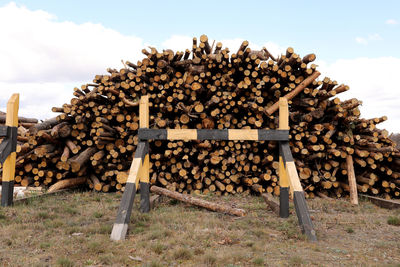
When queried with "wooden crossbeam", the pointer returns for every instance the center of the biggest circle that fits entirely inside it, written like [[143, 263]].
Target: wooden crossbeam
[[299, 200], [138, 174], [204, 134], [9, 164]]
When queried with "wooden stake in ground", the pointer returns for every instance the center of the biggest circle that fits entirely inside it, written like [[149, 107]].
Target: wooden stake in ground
[[352, 180], [198, 202], [9, 163]]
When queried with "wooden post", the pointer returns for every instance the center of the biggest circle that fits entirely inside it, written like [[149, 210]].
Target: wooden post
[[299, 199], [144, 112], [352, 180], [283, 179], [145, 170], [9, 164], [120, 227]]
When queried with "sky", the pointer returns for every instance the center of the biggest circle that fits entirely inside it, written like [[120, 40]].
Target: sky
[[49, 47]]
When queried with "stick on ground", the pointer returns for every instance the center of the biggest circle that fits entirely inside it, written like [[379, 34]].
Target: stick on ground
[[198, 202]]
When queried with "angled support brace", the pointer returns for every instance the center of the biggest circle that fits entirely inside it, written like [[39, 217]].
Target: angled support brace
[[299, 200], [120, 227], [138, 174]]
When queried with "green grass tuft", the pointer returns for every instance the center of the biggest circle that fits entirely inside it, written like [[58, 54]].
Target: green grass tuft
[[296, 261], [96, 247], [45, 245], [64, 262], [98, 214], [210, 259], [182, 254], [158, 248], [258, 261], [392, 220]]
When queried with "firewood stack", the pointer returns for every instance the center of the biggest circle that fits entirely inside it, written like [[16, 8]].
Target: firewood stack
[[95, 135]]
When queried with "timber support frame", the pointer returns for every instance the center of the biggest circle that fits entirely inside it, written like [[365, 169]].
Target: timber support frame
[[8, 147], [289, 181]]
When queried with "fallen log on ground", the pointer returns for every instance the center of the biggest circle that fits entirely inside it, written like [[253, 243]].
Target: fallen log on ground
[[271, 202], [198, 202]]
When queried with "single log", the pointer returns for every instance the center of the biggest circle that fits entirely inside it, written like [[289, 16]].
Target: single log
[[352, 180], [295, 92], [96, 183], [45, 125], [198, 202], [271, 202], [80, 160], [67, 183], [20, 119], [383, 203]]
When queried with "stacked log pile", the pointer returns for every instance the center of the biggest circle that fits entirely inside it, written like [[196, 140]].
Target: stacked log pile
[[207, 86]]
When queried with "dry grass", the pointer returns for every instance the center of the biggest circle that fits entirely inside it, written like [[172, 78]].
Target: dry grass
[[72, 229]]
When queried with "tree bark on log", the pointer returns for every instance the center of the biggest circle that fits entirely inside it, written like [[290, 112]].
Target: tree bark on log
[[352, 180], [271, 202], [67, 183], [45, 125], [295, 92], [198, 202]]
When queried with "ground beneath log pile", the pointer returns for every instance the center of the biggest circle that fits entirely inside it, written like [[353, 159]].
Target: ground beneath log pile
[[73, 228]]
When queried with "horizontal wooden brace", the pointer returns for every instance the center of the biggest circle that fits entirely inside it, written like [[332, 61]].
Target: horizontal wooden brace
[[205, 134]]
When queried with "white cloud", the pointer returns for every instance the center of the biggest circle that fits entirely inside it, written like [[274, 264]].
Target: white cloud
[[391, 22], [178, 42], [36, 98], [39, 48], [361, 40], [372, 80], [370, 37], [43, 59], [374, 37]]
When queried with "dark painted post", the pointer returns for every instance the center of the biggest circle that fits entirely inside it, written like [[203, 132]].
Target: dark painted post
[[283, 179], [7, 191]]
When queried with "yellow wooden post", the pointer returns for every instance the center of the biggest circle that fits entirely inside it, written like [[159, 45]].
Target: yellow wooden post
[[283, 178], [9, 164], [144, 112], [283, 125], [145, 168]]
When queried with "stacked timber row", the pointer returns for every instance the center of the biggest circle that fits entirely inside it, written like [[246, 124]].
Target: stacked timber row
[[210, 87]]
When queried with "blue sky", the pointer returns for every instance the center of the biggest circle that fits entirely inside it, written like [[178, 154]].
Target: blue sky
[[49, 47], [329, 27]]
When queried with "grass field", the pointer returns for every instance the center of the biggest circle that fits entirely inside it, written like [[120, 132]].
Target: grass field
[[73, 228]]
